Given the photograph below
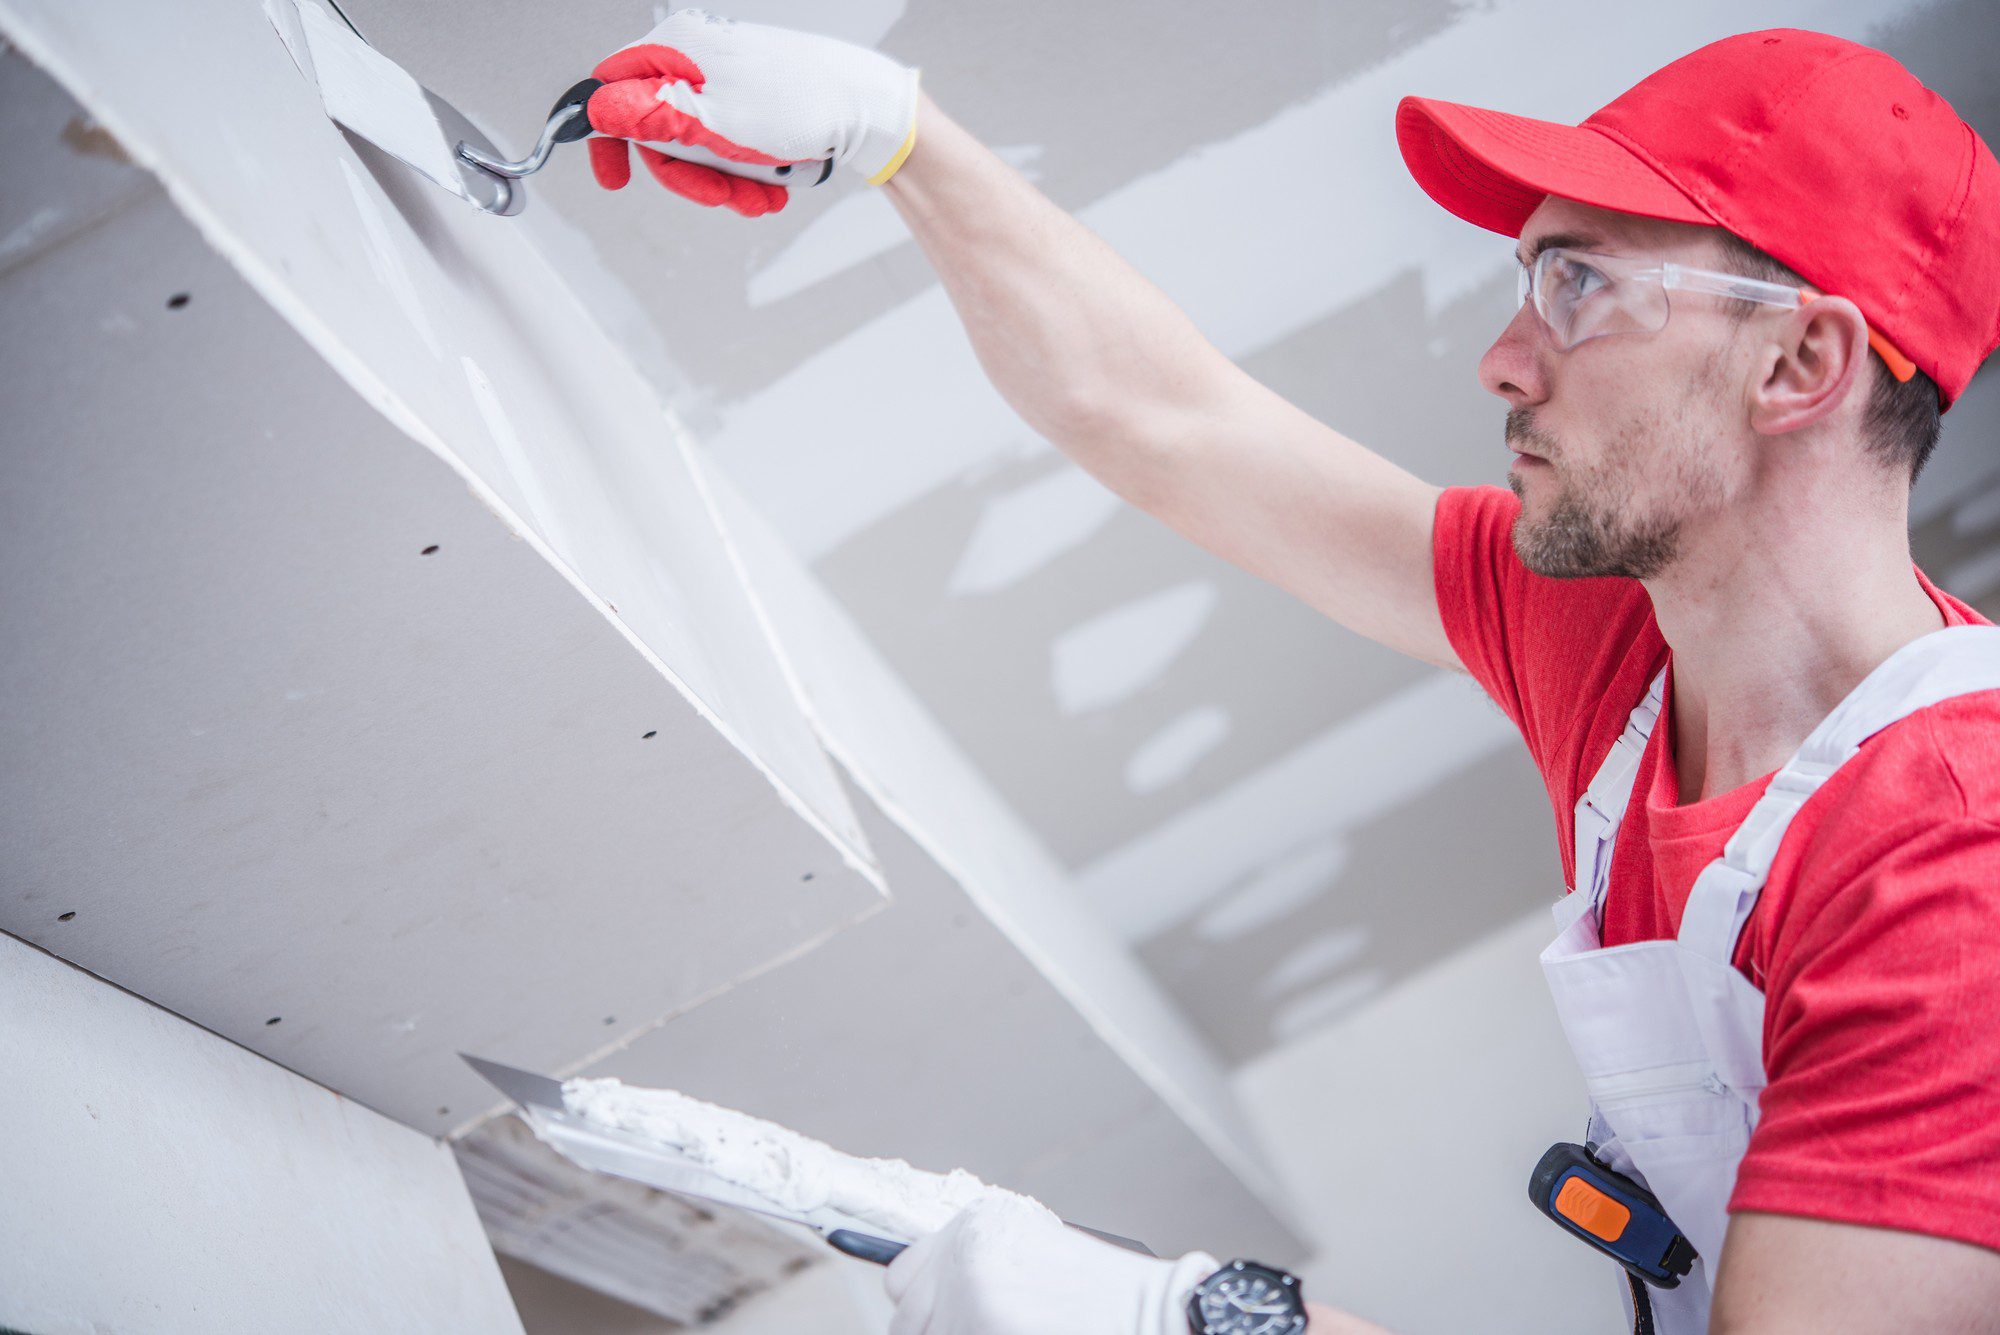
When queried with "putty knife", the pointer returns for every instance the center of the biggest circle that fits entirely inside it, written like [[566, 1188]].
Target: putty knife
[[621, 1154], [378, 100]]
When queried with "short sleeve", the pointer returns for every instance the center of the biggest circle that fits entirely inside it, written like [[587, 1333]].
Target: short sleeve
[[1547, 650], [1883, 1043]]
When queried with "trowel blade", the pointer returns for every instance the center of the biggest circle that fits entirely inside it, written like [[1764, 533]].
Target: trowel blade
[[524, 1087], [378, 100]]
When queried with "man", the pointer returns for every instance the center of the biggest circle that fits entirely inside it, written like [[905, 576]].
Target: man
[[1750, 286]]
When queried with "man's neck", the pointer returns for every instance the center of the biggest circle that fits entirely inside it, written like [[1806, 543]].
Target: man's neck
[[1772, 622]]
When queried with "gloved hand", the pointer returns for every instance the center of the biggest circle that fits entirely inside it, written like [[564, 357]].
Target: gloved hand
[[1010, 1267], [752, 94]]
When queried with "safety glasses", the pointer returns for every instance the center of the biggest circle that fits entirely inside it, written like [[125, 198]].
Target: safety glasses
[[1584, 295]]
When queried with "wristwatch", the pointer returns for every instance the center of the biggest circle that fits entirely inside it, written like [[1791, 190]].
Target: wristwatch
[[1247, 1298]]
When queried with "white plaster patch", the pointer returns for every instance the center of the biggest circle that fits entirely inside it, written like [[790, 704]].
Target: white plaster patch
[[855, 229], [31, 230], [1282, 888], [1118, 653], [386, 258], [535, 502], [1315, 1008], [1023, 530], [1326, 953], [1169, 754], [1361, 768]]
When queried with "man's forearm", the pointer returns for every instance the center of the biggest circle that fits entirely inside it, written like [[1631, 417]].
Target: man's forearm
[[1082, 346]]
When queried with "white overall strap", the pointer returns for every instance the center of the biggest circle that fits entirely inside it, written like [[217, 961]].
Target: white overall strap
[[1957, 660], [1602, 805]]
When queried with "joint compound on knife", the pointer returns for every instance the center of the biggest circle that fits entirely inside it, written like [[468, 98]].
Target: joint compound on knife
[[793, 1171]]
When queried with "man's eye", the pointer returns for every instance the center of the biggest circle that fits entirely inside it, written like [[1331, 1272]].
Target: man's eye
[[1581, 278]]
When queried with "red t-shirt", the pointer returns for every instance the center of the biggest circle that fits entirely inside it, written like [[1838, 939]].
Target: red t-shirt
[[1877, 937]]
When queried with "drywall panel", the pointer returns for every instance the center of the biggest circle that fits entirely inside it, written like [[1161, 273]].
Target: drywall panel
[[455, 325], [924, 1033], [305, 746], [160, 1179], [915, 772]]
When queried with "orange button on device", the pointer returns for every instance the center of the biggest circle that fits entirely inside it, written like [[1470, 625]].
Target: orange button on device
[[1591, 1210]]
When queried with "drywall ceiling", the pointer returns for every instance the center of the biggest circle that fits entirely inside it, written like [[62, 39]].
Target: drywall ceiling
[[232, 514], [303, 744], [924, 1034], [1123, 691]]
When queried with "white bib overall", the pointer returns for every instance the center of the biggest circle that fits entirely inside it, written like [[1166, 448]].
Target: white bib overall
[[1669, 1035]]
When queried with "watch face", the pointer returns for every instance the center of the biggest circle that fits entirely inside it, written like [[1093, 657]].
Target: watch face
[[1248, 1299]]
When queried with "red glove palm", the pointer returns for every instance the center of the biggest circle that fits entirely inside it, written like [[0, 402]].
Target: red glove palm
[[628, 106], [744, 94]]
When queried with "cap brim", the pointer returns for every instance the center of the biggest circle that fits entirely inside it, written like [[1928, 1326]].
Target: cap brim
[[1492, 169]]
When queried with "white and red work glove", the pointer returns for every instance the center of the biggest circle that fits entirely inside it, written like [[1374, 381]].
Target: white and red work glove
[[752, 94], [1010, 1267]]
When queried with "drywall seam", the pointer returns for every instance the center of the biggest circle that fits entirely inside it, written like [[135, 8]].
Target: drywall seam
[[683, 441], [42, 248], [1231, 1146], [1214, 1118], [272, 286], [630, 1036]]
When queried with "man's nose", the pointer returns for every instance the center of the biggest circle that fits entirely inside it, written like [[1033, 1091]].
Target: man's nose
[[1515, 366]]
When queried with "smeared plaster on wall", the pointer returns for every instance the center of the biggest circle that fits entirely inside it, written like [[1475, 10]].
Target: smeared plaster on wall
[[520, 468], [1424, 877], [1315, 1008], [24, 237], [849, 232], [852, 231], [1022, 530], [1171, 753], [1321, 955], [1118, 653], [1276, 890], [385, 254], [1355, 770]]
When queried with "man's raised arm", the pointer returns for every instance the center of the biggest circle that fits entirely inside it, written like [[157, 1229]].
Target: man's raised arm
[[1091, 354], [1097, 360]]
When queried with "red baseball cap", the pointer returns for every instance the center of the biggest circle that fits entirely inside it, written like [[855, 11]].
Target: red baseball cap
[[1822, 152]]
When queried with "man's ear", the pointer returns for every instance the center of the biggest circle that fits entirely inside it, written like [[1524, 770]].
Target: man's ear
[[1811, 361]]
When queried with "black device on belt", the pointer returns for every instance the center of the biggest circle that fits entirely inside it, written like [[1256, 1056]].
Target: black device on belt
[[1612, 1213]]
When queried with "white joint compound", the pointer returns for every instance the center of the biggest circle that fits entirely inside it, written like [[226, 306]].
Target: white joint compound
[[791, 1170]]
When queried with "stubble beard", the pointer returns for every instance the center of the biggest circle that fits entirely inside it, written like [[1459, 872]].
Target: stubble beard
[[1591, 528]]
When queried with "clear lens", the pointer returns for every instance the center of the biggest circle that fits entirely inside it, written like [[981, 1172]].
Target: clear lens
[[1583, 296]]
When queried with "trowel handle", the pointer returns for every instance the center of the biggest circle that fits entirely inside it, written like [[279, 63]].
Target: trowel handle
[[879, 1250], [786, 174]]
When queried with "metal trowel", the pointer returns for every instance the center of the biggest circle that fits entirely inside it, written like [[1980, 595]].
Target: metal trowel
[[377, 99], [621, 1154]]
